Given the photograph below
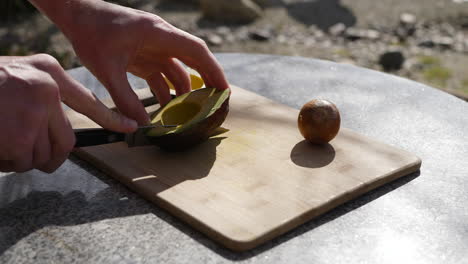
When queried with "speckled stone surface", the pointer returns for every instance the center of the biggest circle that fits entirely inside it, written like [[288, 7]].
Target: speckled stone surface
[[80, 215]]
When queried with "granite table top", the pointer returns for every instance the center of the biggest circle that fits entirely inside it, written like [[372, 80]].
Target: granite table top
[[80, 215]]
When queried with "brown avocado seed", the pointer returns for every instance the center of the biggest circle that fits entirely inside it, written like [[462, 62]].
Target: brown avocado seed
[[319, 121]]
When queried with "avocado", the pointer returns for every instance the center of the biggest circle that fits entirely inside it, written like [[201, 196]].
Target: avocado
[[189, 119]]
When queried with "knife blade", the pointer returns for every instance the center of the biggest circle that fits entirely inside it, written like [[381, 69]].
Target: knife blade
[[86, 137]]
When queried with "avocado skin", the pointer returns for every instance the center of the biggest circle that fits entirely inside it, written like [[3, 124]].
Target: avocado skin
[[195, 135]]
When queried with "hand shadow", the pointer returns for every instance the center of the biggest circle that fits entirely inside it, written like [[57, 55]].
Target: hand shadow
[[38, 209]]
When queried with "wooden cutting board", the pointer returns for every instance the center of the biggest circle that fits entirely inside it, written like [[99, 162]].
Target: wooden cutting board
[[258, 180]]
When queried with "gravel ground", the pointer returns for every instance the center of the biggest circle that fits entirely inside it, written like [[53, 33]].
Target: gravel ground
[[423, 40]]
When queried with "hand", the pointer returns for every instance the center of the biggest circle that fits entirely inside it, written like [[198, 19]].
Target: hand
[[111, 40], [35, 130]]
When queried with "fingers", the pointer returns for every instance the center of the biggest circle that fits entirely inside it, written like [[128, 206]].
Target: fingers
[[84, 101], [124, 98], [200, 58], [6, 166], [61, 137], [193, 52], [42, 148], [159, 86], [23, 162], [210, 70], [178, 77]]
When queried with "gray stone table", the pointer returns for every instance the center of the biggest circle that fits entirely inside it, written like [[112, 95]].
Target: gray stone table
[[81, 215]]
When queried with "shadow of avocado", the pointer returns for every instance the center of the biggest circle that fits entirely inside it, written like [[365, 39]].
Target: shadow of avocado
[[192, 164], [306, 154]]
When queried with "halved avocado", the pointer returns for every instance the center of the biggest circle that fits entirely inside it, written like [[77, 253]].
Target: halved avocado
[[195, 115]]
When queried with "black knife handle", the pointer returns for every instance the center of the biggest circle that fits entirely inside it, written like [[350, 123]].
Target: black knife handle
[[96, 136]]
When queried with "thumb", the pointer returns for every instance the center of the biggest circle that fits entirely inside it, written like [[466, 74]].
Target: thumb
[[82, 100]]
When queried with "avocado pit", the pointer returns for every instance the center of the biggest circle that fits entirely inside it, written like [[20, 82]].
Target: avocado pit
[[319, 121]]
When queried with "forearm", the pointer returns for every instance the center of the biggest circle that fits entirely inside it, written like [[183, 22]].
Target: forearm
[[70, 15]]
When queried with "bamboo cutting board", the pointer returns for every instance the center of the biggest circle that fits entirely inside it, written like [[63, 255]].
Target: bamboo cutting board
[[258, 180]]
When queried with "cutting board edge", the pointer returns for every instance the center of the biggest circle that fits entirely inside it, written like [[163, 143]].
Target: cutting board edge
[[240, 245], [292, 224], [243, 245]]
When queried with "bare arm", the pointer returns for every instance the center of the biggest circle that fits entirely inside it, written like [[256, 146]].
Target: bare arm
[[112, 40]]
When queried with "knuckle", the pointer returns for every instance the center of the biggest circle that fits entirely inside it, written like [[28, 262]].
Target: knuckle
[[46, 61], [200, 43], [51, 91]]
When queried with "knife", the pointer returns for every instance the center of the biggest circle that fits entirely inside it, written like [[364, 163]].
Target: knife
[[86, 137]]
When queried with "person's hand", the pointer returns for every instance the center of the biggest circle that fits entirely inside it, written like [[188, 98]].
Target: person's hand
[[111, 40], [35, 130]]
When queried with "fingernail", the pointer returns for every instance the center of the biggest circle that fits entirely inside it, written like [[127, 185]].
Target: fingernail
[[130, 123]]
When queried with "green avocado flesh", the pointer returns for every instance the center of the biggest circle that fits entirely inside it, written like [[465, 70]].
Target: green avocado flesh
[[193, 117]]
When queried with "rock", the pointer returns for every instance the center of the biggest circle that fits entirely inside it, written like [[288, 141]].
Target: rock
[[403, 32], [459, 47], [443, 42], [230, 38], [281, 39], [426, 44], [391, 60], [242, 33], [214, 40], [319, 34], [260, 35], [232, 11], [223, 31], [316, 32], [413, 64], [407, 26], [310, 41], [337, 29], [355, 34], [407, 19], [447, 29]]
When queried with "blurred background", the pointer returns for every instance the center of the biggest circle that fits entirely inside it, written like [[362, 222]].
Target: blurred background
[[422, 40]]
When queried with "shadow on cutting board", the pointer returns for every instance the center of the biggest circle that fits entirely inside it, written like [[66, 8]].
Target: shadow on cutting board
[[308, 155], [175, 167]]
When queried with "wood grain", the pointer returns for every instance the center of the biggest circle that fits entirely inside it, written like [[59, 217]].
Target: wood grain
[[256, 181]]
